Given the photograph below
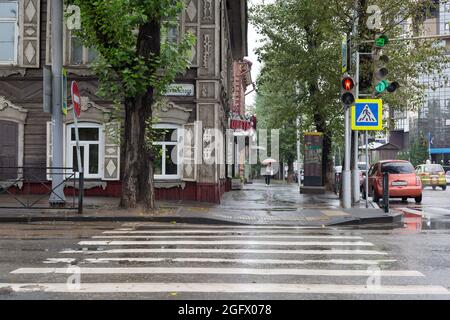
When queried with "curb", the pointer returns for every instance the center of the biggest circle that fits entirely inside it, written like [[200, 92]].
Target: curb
[[390, 219], [191, 220]]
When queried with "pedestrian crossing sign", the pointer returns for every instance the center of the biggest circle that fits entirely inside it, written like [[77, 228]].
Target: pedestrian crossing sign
[[367, 114]]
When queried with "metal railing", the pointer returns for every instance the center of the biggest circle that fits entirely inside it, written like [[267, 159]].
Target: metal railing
[[29, 186]]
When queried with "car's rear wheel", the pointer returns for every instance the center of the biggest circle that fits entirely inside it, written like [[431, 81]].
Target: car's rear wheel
[[418, 199]]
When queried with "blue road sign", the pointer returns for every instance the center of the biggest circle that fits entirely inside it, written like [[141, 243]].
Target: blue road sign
[[367, 114]]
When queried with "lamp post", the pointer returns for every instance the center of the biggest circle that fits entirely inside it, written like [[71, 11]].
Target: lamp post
[[57, 197]]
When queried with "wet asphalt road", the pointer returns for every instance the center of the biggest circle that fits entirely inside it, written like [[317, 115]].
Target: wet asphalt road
[[431, 199], [335, 259]]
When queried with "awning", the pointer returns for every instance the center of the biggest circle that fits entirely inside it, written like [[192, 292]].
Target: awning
[[440, 150]]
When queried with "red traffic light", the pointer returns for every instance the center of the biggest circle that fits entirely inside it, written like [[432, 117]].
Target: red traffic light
[[348, 84], [347, 90]]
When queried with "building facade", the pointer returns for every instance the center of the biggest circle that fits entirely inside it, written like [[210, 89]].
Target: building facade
[[204, 93], [432, 119]]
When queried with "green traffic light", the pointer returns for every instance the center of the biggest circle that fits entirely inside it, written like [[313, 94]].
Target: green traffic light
[[381, 86], [381, 41]]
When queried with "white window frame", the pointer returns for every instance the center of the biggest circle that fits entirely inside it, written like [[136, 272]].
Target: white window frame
[[177, 143], [16, 34], [85, 53], [70, 144]]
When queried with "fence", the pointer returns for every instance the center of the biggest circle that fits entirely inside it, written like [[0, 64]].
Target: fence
[[29, 188]]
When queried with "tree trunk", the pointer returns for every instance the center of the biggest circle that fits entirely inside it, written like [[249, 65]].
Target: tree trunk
[[137, 189], [137, 181], [290, 171]]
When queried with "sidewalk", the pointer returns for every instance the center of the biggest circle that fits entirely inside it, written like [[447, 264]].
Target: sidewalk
[[277, 204]]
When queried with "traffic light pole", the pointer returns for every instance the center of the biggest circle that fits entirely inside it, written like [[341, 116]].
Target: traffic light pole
[[346, 174], [298, 152], [366, 135], [355, 170]]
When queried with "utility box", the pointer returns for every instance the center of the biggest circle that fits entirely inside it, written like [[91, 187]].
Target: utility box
[[313, 175]]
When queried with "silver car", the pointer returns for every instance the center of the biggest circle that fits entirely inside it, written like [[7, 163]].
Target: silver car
[[447, 177]]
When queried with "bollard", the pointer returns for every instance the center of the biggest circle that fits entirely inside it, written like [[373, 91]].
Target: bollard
[[386, 192], [80, 192]]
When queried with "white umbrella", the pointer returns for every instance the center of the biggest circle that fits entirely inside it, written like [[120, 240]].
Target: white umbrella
[[269, 160]]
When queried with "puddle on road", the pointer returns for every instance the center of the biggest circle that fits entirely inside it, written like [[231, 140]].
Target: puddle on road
[[415, 223]]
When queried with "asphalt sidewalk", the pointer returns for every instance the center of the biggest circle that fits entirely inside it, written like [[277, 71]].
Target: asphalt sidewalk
[[278, 204]]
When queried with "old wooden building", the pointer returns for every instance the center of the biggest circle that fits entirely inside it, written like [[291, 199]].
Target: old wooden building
[[207, 93]]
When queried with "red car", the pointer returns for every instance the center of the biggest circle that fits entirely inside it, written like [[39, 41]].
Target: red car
[[403, 181]]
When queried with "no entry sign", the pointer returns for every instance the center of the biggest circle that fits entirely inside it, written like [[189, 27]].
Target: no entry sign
[[76, 99]]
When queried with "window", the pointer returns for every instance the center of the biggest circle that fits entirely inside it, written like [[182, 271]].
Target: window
[[171, 31], [166, 152], [433, 168], [75, 54], [79, 54], [91, 144], [373, 170], [8, 31], [397, 167]]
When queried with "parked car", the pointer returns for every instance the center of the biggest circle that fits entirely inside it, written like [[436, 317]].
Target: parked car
[[432, 175], [403, 181], [447, 177]]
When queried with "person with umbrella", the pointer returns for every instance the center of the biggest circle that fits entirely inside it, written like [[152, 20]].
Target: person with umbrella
[[269, 170], [269, 173]]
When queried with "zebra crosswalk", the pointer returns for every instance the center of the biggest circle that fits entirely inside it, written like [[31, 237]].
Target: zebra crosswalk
[[164, 258]]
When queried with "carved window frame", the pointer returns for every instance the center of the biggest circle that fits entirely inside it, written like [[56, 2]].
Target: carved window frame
[[28, 39], [67, 46], [178, 145], [14, 113]]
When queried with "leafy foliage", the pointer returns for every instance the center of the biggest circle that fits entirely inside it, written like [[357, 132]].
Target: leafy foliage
[[418, 152], [301, 49], [112, 28]]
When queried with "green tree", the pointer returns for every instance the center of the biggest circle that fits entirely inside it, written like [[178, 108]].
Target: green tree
[[268, 103], [419, 153], [302, 48], [134, 68]]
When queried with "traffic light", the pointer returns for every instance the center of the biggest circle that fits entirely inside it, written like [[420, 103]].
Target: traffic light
[[381, 71], [381, 41], [347, 90]]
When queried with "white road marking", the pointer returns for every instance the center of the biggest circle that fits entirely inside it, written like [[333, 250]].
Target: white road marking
[[201, 231], [59, 260], [280, 261], [226, 288], [179, 227], [268, 236], [224, 242], [236, 261], [158, 270], [234, 251]]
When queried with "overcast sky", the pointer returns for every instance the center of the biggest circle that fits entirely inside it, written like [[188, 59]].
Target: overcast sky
[[253, 38]]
